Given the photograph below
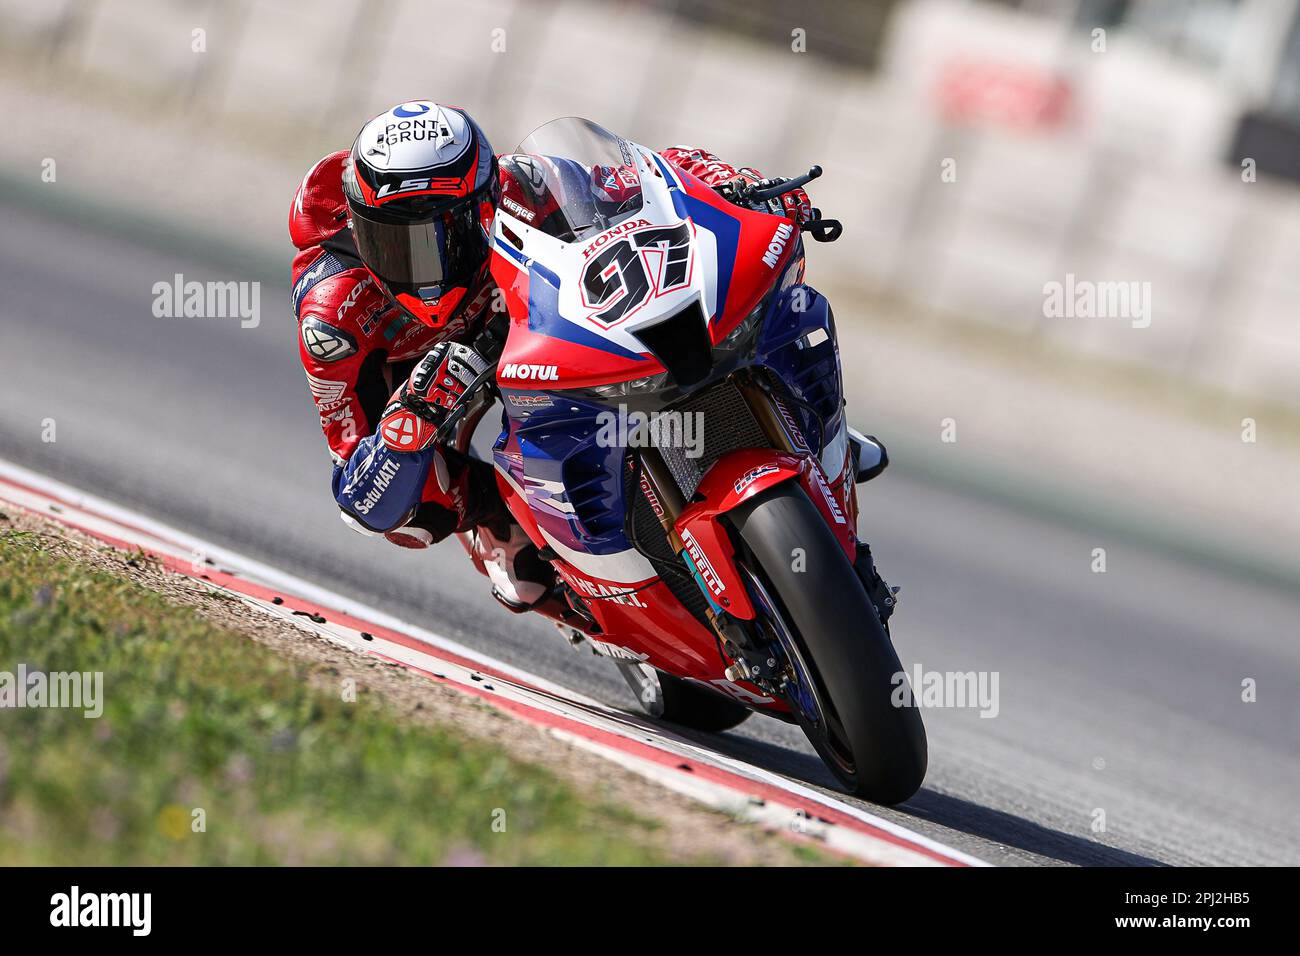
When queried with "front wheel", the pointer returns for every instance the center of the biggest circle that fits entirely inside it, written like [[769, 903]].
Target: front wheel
[[666, 697], [842, 671]]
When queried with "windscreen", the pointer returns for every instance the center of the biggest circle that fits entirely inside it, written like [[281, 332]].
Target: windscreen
[[572, 179]]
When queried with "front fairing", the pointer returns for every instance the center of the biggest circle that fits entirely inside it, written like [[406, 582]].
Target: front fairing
[[554, 437], [568, 363], [588, 281], [790, 332], [584, 299]]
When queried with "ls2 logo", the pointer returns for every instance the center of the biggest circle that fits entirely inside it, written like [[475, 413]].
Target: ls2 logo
[[616, 281]]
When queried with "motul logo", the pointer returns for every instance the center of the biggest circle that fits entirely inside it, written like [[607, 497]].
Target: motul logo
[[648, 490], [536, 373], [777, 245]]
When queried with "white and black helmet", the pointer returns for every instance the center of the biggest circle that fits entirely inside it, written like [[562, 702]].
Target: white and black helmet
[[421, 186]]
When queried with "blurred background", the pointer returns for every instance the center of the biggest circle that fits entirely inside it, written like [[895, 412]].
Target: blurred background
[[977, 152], [1111, 156]]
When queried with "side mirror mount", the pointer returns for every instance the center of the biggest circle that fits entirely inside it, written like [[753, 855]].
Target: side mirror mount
[[869, 456], [824, 230]]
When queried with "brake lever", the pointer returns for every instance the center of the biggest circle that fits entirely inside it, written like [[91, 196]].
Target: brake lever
[[822, 230]]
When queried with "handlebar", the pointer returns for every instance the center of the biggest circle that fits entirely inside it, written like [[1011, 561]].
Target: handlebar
[[821, 229], [780, 187]]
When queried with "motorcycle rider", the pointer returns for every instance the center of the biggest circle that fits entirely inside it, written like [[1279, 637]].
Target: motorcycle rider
[[397, 315]]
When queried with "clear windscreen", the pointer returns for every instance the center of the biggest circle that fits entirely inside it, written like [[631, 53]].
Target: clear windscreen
[[572, 179]]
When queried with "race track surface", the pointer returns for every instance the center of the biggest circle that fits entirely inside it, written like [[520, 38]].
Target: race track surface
[[1119, 692]]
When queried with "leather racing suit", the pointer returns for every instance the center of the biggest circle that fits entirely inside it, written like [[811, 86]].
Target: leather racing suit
[[357, 346]]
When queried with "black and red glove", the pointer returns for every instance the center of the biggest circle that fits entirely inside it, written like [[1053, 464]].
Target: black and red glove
[[728, 180], [420, 404], [794, 205]]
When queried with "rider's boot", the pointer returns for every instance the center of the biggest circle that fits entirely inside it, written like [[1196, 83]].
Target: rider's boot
[[522, 580], [519, 576]]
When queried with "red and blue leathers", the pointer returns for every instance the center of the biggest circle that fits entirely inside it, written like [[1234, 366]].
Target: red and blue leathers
[[357, 347]]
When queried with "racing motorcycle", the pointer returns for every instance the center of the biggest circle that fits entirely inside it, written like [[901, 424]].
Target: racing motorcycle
[[674, 442]]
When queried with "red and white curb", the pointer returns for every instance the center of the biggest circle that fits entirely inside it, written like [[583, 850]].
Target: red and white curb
[[746, 792]]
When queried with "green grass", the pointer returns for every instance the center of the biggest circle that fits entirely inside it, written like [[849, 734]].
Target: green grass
[[199, 717]]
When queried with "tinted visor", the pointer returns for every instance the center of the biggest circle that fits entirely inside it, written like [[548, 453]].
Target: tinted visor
[[446, 247]]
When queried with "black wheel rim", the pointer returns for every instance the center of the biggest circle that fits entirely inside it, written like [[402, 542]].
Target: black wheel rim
[[806, 698]]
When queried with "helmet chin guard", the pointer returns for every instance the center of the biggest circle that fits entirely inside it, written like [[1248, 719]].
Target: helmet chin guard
[[433, 311]]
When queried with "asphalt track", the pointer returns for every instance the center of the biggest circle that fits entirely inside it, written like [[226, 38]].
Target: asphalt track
[[1120, 693]]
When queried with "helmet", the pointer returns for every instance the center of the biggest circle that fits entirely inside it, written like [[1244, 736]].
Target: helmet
[[617, 186], [421, 187]]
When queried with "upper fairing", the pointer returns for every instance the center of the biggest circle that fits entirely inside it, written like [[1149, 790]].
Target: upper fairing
[[586, 300]]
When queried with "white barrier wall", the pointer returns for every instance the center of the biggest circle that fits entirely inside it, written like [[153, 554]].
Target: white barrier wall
[[1132, 188]]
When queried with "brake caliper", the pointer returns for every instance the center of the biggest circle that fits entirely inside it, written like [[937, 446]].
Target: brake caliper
[[883, 597]]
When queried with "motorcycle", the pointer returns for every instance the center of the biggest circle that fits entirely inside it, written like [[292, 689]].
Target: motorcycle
[[674, 442]]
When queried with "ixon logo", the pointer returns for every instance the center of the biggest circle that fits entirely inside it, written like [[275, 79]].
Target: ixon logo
[[351, 300]]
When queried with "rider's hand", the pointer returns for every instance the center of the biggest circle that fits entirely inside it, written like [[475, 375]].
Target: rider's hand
[[798, 207], [794, 205], [441, 377], [421, 403]]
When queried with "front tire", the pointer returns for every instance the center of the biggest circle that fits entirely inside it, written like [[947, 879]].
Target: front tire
[[877, 750], [666, 697]]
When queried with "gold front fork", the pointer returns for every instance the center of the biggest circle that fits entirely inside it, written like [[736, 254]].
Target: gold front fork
[[666, 499]]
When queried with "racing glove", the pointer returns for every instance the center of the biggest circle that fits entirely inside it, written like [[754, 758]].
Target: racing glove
[[420, 404], [794, 205]]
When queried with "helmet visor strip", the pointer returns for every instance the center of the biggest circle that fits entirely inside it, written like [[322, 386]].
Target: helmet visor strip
[[445, 248]]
